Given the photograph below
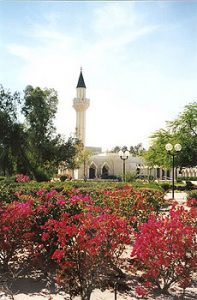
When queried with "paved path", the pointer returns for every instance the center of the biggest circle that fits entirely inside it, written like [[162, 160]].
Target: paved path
[[179, 197]]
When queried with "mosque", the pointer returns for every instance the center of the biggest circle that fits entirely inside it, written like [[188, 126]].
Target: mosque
[[105, 165]]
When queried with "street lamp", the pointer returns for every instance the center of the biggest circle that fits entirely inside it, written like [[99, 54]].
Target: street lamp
[[124, 156], [173, 150]]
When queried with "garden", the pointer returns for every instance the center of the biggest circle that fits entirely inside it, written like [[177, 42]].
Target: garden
[[78, 237]]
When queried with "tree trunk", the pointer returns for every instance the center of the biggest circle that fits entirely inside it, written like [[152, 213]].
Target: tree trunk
[[86, 294]]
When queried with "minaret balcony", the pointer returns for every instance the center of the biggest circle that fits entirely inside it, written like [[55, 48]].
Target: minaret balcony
[[81, 104]]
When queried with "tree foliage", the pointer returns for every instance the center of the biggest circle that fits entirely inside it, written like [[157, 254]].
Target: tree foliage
[[32, 147], [10, 129], [136, 150], [182, 130]]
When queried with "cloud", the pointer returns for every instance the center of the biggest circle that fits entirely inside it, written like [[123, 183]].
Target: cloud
[[22, 51], [113, 17], [119, 24]]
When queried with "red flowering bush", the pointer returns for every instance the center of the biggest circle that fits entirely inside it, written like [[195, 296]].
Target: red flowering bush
[[141, 291], [88, 244], [165, 249], [192, 202], [82, 235], [49, 206], [135, 205], [22, 178], [15, 232]]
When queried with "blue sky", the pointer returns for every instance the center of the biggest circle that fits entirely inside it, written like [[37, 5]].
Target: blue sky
[[139, 61]]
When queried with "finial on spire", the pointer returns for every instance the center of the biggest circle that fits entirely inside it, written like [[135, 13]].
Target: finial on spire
[[81, 69]]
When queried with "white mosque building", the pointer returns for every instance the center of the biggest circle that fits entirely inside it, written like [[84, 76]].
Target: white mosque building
[[99, 164]]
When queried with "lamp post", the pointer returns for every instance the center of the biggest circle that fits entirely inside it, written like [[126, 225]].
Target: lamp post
[[124, 156], [173, 150]]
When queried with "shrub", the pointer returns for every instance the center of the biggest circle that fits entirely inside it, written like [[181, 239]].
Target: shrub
[[88, 245], [192, 194], [22, 178], [7, 193], [41, 176], [135, 205], [151, 178], [189, 185], [166, 186], [191, 178], [192, 198], [8, 180], [130, 177], [15, 232], [165, 250], [63, 178]]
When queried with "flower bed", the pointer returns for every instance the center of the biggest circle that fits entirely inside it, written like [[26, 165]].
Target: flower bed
[[81, 235]]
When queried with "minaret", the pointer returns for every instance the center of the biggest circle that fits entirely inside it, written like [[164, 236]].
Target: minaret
[[80, 104]]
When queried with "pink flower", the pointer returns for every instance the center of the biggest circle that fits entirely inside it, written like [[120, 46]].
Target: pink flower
[[22, 178], [140, 291], [40, 192]]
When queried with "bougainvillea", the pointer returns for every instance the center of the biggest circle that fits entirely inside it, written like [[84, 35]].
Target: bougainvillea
[[165, 249], [192, 202], [134, 204], [15, 231], [88, 245], [22, 178], [82, 234]]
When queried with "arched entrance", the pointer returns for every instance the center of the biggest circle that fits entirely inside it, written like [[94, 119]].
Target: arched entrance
[[92, 171], [158, 173], [105, 171]]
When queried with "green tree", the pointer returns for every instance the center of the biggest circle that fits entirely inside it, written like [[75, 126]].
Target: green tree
[[39, 109], [67, 153], [49, 149], [137, 150], [116, 149], [83, 157], [182, 130], [32, 147], [8, 122]]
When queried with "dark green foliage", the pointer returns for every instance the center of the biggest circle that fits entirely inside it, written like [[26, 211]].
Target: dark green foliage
[[9, 188], [41, 175], [137, 150], [166, 186], [188, 178], [32, 148], [63, 178], [189, 185], [9, 130]]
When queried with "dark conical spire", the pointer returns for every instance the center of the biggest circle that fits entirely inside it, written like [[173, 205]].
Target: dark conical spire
[[81, 82]]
